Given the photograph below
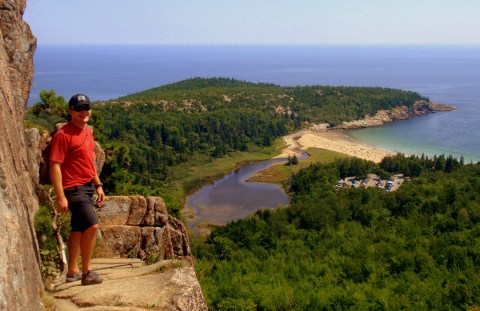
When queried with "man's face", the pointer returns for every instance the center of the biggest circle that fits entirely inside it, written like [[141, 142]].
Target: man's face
[[80, 113]]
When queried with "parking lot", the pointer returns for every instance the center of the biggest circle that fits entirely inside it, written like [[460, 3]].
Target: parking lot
[[373, 180]]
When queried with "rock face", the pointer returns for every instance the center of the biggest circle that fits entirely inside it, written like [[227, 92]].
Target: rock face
[[135, 226], [400, 113], [20, 279]]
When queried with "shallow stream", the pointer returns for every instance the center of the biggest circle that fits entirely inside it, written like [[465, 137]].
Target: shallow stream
[[232, 198]]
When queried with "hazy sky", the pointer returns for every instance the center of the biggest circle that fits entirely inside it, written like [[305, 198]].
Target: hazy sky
[[255, 21]]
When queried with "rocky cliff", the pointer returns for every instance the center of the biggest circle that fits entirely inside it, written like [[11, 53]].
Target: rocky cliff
[[399, 113], [20, 280]]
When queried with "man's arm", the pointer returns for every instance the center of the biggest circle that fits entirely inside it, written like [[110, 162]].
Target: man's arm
[[99, 189], [98, 184], [56, 178]]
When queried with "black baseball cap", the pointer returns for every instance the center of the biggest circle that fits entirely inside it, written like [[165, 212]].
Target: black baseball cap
[[79, 99]]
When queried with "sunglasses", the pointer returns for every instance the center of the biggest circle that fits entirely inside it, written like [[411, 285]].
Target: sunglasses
[[79, 108]]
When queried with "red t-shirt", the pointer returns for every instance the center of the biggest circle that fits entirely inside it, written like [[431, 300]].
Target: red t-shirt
[[74, 148]]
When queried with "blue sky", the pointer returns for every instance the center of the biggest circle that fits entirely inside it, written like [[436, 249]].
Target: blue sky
[[254, 21]]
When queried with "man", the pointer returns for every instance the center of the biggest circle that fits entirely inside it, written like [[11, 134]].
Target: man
[[74, 178]]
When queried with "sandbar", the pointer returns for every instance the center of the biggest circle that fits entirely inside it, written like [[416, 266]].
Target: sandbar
[[334, 140]]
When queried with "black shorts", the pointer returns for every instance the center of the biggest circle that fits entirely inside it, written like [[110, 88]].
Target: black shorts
[[82, 207]]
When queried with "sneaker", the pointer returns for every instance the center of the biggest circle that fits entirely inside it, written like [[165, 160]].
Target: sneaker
[[91, 278], [74, 277]]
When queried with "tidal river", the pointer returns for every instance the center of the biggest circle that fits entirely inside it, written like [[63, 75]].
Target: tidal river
[[232, 198]]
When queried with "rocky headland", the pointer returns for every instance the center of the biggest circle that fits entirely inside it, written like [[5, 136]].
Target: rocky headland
[[396, 114]]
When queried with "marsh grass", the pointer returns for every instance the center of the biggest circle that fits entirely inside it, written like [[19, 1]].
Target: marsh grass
[[280, 173]]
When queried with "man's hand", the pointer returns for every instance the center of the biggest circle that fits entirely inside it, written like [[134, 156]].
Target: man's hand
[[101, 196], [62, 204]]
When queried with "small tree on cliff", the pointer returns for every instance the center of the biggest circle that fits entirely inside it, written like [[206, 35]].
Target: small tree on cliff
[[51, 104]]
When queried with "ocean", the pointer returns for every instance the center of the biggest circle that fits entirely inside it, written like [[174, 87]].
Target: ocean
[[445, 74]]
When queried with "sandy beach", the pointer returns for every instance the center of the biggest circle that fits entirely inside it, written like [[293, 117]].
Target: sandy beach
[[334, 140]]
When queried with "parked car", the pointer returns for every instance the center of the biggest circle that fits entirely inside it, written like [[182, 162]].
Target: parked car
[[381, 183], [355, 183]]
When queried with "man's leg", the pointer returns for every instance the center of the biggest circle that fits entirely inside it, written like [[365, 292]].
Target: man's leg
[[88, 239], [73, 252]]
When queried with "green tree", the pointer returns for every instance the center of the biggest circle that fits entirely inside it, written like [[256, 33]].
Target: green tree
[[294, 159], [52, 104]]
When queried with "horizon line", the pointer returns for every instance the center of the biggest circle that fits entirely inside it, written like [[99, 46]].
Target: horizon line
[[262, 44]]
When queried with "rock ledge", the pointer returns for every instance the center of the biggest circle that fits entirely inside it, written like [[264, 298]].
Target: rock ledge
[[166, 285], [400, 113]]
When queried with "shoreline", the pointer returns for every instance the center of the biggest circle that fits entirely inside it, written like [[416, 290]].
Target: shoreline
[[333, 140]]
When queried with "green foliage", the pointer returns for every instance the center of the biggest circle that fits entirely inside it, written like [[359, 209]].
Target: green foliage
[[303, 103], [415, 249], [52, 104], [49, 250], [413, 166], [145, 145], [292, 160], [153, 257], [50, 263], [49, 111], [194, 84]]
